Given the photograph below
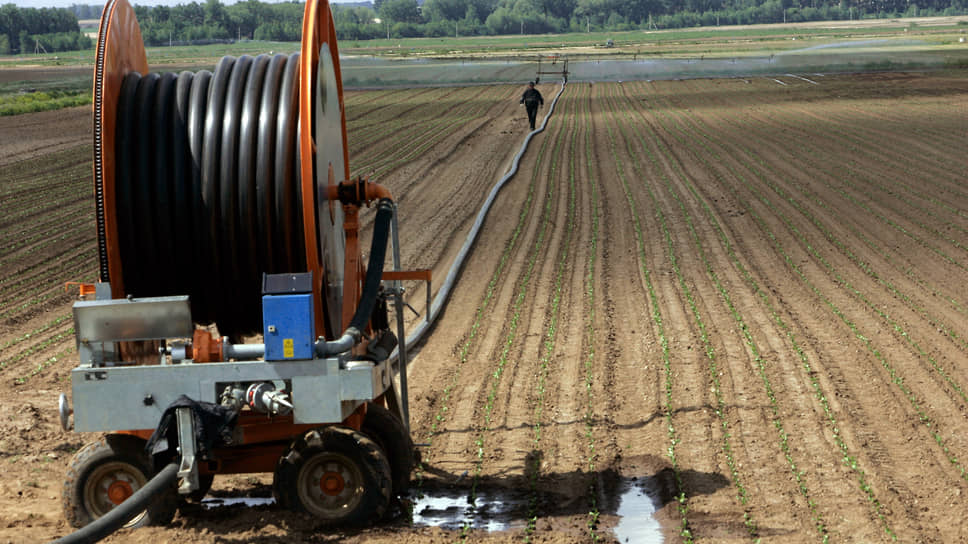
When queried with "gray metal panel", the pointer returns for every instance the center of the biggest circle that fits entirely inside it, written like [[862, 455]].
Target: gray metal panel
[[362, 383], [113, 398], [316, 399], [109, 399], [134, 319]]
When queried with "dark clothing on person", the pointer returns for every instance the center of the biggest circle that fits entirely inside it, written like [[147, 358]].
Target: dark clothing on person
[[531, 100]]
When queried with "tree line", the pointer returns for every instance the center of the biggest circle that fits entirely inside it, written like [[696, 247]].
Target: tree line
[[252, 19], [405, 18], [28, 30], [25, 30]]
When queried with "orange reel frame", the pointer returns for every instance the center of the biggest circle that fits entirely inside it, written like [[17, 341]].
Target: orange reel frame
[[120, 50]]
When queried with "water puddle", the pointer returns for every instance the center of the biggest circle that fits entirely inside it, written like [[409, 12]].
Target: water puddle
[[218, 502], [636, 512], [500, 510], [450, 509]]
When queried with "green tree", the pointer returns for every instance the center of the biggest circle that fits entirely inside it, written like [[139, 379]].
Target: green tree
[[444, 10], [400, 11]]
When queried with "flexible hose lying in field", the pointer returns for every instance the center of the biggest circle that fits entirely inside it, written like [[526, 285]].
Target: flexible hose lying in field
[[444, 293], [124, 512], [207, 180]]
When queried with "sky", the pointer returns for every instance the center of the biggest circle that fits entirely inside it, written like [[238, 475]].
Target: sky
[[68, 3]]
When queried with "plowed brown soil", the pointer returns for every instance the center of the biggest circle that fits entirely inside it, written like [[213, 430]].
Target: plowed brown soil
[[747, 294]]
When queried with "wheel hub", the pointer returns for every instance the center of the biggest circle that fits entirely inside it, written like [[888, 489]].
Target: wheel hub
[[332, 484], [119, 491]]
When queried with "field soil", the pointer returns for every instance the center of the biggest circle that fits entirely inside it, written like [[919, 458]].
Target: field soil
[[742, 296]]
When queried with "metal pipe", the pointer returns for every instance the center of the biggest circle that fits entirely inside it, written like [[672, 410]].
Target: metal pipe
[[242, 352], [340, 345], [401, 331], [371, 285]]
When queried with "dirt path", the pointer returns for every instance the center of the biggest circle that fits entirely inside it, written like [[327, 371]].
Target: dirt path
[[745, 296]]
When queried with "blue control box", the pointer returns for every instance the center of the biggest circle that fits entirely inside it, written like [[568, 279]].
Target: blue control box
[[288, 326]]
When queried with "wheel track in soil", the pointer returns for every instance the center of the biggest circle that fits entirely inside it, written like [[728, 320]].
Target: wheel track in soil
[[622, 362], [862, 382], [684, 392]]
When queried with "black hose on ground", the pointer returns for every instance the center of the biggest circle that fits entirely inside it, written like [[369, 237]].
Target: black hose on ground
[[124, 512]]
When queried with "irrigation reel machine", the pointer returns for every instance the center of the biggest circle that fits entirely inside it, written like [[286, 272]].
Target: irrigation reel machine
[[224, 198]]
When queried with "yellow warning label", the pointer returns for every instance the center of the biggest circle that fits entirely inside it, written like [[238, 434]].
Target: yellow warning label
[[287, 348]]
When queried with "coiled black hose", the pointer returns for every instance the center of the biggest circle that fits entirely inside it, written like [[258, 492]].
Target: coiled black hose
[[206, 185]]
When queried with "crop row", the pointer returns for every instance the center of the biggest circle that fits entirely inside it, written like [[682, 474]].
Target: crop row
[[669, 402], [406, 117], [630, 132], [694, 135], [21, 178], [849, 459], [483, 308], [407, 145], [591, 333], [820, 396], [515, 311], [828, 175], [392, 112], [910, 299], [850, 183]]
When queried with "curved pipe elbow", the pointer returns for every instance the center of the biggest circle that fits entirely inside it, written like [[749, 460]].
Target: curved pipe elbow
[[357, 192], [342, 344]]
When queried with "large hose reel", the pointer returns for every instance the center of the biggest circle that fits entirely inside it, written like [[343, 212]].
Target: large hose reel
[[204, 181]]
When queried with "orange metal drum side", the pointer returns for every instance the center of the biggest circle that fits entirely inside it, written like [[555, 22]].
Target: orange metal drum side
[[124, 52], [318, 28]]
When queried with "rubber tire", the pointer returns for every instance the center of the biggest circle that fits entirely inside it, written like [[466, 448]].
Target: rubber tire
[[127, 453], [357, 454], [386, 429]]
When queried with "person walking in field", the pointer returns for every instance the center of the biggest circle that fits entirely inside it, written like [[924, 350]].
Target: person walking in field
[[532, 99]]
